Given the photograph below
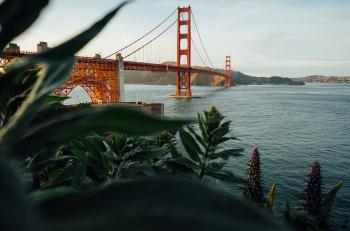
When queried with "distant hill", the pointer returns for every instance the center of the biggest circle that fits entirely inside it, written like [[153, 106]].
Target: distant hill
[[324, 79], [156, 78], [243, 79]]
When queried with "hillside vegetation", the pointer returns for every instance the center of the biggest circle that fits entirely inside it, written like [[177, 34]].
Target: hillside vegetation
[[156, 78]]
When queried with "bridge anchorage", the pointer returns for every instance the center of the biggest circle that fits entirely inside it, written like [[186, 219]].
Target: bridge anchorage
[[103, 78]]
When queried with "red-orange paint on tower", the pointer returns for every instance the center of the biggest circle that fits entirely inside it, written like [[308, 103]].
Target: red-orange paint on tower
[[228, 71], [183, 79]]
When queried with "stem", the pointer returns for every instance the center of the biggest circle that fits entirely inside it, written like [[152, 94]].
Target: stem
[[204, 164]]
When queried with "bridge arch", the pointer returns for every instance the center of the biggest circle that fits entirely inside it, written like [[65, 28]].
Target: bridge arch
[[100, 78], [95, 89]]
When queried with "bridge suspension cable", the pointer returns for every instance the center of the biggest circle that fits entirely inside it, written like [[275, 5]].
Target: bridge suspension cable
[[155, 38], [142, 37], [201, 40], [195, 47]]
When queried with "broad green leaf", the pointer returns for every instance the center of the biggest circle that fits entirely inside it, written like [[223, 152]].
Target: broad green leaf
[[216, 166], [72, 46], [137, 169], [42, 159], [53, 100], [190, 145], [203, 127], [32, 104], [225, 175], [222, 140], [58, 62], [300, 220], [155, 204], [16, 16], [180, 169], [61, 177], [183, 161], [15, 213], [107, 118], [39, 197], [226, 154], [80, 171], [194, 133], [173, 150], [147, 154], [327, 204], [13, 91]]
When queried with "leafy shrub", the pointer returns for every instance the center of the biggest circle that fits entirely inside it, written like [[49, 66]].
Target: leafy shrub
[[203, 151], [315, 208], [66, 151]]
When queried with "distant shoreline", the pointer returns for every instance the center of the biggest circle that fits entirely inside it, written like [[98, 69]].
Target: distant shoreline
[[238, 78], [324, 79]]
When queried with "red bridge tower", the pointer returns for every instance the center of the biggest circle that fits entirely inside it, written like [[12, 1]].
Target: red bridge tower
[[228, 71], [183, 79]]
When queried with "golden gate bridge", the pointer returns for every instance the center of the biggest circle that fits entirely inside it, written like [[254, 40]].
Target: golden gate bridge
[[103, 78]]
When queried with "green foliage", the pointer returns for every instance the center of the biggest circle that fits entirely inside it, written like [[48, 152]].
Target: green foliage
[[204, 150], [271, 196], [314, 211], [15, 213], [89, 161], [299, 220], [151, 204], [17, 16], [327, 204], [85, 164]]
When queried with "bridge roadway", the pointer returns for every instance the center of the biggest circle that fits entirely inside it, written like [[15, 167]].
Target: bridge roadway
[[129, 65], [100, 78]]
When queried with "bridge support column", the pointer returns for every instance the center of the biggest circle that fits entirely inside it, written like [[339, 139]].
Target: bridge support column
[[183, 84], [183, 79], [228, 71], [120, 68]]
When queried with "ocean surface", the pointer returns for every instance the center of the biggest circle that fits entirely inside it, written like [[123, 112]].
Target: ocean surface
[[292, 126]]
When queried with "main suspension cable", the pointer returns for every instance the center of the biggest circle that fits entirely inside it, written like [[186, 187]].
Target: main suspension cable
[[201, 40], [142, 36], [168, 28], [195, 47]]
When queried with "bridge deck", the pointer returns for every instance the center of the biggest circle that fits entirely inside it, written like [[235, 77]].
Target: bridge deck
[[130, 65]]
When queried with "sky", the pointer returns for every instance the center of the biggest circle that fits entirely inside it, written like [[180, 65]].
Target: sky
[[290, 38]]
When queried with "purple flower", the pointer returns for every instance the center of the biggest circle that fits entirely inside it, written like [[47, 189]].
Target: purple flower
[[254, 189], [312, 200]]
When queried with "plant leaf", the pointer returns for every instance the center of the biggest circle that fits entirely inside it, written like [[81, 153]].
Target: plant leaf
[[327, 204], [59, 62], [226, 154], [107, 118], [156, 204], [80, 171], [39, 197], [190, 145], [13, 206], [225, 175], [16, 16], [32, 104], [194, 133], [271, 196], [183, 161]]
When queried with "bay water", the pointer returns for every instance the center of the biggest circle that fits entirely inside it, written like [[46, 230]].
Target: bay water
[[292, 126]]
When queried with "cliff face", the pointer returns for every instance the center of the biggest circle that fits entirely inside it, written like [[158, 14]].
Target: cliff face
[[155, 78]]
